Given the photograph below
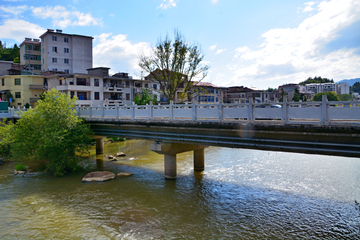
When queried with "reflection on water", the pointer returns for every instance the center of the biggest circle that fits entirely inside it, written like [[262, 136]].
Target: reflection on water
[[242, 194]]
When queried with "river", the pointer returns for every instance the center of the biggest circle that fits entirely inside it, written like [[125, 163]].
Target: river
[[241, 194]]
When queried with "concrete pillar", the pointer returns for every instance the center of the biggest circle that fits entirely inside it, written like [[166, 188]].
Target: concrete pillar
[[99, 145], [170, 166], [199, 159]]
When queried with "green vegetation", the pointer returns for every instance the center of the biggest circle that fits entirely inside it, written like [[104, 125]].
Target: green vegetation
[[174, 64], [48, 135], [331, 96], [145, 97], [356, 87], [316, 80], [344, 97], [298, 96], [117, 139], [10, 54], [20, 167], [282, 94]]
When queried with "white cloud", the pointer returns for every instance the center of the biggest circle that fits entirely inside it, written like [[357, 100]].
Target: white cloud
[[308, 7], [63, 18], [214, 1], [212, 48], [220, 51], [294, 54], [167, 4], [14, 10], [19, 29], [118, 53]]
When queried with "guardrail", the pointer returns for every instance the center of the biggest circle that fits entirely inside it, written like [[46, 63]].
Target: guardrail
[[323, 112]]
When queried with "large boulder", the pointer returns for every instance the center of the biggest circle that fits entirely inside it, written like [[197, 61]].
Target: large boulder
[[120, 154], [98, 176]]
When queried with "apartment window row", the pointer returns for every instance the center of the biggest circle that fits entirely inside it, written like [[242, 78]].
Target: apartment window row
[[55, 49], [66, 60], [32, 47], [66, 39], [32, 57]]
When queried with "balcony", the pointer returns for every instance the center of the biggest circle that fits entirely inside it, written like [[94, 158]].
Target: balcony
[[36, 87], [114, 89]]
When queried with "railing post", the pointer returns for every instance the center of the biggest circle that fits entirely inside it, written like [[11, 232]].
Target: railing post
[[220, 109], [324, 109], [103, 111], [194, 110], [250, 110], [151, 110], [133, 110], [117, 110], [284, 118], [90, 111], [171, 110]]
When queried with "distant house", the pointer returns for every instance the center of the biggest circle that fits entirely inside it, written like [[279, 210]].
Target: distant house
[[30, 55], [321, 87], [343, 88], [209, 93]]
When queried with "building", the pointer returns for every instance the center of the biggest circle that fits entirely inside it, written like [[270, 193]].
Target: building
[[343, 88], [321, 87], [4, 67], [30, 55], [209, 93], [24, 89], [241, 94], [69, 53], [289, 89]]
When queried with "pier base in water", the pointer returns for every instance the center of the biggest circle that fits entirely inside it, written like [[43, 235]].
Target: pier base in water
[[171, 149]]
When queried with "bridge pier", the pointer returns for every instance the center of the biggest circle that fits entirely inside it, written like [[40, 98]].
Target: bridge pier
[[99, 145], [171, 149]]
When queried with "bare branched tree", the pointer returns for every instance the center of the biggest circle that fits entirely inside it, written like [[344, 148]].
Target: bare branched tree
[[175, 64]]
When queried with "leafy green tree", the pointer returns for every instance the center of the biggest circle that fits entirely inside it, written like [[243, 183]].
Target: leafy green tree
[[296, 96], [356, 87], [174, 64], [316, 80], [10, 54], [282, 94], [331, 96], [344, 97], [49, 135], [145, 97]]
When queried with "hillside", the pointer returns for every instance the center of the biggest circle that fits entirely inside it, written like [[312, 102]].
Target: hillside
[[350, 81]]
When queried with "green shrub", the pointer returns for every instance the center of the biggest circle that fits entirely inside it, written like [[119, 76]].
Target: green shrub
[[20, 167]]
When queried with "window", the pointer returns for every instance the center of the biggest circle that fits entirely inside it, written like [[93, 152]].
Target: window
[[146, 85], [66, 50], [17, 94], [81, 95], [66, 60], [54, 60], [72, 93], [67, 71], [128, 97], [81, 81], [54, 69], [154, 86], [36, 48], [28, 47], [66, 39], [17, 81], [3, 82], [54, 38], [97, 95], [96, 82], [54, 49], [127, 83]]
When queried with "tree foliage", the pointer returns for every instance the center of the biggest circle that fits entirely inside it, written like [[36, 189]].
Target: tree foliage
[[49, 135], [316, 80], [174, 64], [345, 97], [10, 54], [356, 87], [282, 94], [331, 96], [145, 97]]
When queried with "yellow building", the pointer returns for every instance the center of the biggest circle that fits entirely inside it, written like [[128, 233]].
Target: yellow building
[[23, 88]]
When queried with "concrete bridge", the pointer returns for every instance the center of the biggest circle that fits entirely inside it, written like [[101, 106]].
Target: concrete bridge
[[330, 128]]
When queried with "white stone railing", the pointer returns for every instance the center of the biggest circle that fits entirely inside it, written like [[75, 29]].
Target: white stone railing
[[323, 112]]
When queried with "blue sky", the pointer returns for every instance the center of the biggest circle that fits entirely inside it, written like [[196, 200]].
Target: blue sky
[[246, 43]]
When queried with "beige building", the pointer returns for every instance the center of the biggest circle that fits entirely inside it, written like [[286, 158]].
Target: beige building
[[30, 55], [23, 88], [69, 53]]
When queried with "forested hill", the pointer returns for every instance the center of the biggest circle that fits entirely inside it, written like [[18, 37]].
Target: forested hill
[[10, 54], [316, 80]]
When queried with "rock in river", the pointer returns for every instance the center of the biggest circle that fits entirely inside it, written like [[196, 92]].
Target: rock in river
[[120, 154], [124, 174], [98, 176]]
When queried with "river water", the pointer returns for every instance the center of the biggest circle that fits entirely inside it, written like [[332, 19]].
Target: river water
[[242, 194]]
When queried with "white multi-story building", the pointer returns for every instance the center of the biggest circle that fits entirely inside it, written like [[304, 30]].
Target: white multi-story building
[[69, 53], [321, 87], [343, 88]]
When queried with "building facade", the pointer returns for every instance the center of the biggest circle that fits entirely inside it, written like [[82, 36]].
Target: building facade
[[321, 87], [30, 55], [69, 53], [343, 88]]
